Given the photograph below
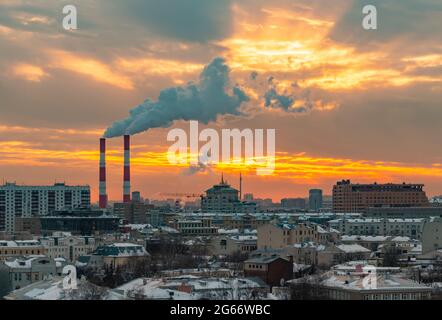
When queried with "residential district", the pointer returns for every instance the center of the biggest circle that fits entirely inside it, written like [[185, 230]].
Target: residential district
[[363, 242]]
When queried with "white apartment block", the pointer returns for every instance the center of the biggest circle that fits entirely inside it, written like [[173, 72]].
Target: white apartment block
[[411, 228], [27, 201]]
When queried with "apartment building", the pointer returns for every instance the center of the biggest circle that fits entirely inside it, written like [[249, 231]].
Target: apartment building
[[411, 228], [27, 201], [281, 235], [349, 197], [195, 227]]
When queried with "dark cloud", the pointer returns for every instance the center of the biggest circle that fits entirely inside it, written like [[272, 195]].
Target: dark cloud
[[190, 20]]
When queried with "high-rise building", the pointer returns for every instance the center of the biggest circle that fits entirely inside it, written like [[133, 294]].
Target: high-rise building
[[349, 197], [315, 199], [293, 203], [28, 201], [136, 196]]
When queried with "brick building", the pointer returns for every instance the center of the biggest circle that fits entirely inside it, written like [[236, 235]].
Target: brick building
[[349, 197], [271, 269]]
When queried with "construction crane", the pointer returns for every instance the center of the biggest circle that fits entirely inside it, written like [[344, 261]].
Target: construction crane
[[181, 195]]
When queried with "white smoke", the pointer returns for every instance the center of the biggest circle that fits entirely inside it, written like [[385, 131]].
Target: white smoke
[[202, 101]]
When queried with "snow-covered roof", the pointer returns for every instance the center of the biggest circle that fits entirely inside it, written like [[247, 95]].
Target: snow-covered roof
[[19, 243], [184, 288], [121, 250], [22, 262], [352, 248], [385, 281], [364, 238]]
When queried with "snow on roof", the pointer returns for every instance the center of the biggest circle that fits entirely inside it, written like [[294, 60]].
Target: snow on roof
[[151, 289], [364, 238], [384, 281], [401, 239], [244, 238], [22, 262], [406, 220], [352, 248], [138, 227], [168, 229], [122, 250], [19, 243]]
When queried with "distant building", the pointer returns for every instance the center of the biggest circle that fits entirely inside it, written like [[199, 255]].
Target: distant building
[[403, 212], [315, 199], [195, 227], [133, 212], [380, 227], [248, 197], [327, 202], [81, 222], [222, 198], [293, 203], [28, 201], [32, 225], [136, 196], [349, 197]]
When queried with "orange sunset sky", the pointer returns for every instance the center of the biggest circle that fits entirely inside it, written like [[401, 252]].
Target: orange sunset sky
[[364, 105]]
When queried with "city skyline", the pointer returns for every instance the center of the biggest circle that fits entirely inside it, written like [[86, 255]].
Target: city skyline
[[346, 103]]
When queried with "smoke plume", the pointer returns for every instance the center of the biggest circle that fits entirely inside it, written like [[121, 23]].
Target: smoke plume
[[202, 101]]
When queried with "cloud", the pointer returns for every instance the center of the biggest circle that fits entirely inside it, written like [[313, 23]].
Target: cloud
[[202, 101], [190, 20], [29, 72], [90, 67], [194, 169]]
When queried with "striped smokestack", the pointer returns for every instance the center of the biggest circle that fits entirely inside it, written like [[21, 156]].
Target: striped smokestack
[[102, 184], [126, 183]]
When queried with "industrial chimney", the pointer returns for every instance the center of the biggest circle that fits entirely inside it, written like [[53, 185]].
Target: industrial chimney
[[126, 183], [102, 184]]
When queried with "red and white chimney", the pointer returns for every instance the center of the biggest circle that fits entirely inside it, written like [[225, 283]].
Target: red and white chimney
[[126, 183], [102, 183]]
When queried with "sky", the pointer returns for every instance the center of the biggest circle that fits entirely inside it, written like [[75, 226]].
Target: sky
[[346, 103]]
